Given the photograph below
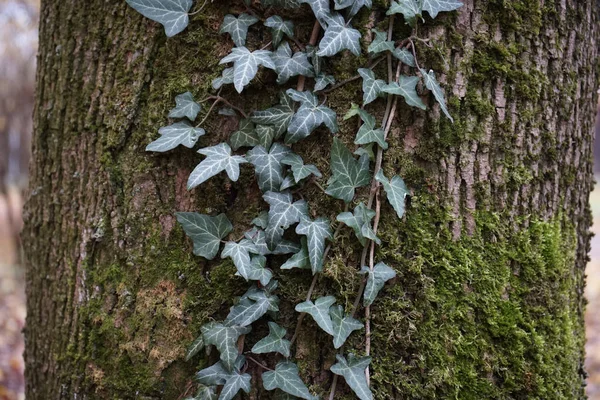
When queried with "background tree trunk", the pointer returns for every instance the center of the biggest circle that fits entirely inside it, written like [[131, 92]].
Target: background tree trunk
[[490, 257]]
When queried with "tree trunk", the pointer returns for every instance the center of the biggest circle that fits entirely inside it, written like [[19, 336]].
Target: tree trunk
[[490, 256]]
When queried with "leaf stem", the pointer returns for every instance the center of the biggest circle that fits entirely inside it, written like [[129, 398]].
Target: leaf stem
[[258, 363], [314, 35]]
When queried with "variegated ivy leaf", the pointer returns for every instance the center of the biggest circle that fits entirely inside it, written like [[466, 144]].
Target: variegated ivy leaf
[[317, 61], [224, 338], [319, 311], [205, 231], [262, 220], [218, 158], [380, 43], [238, 27], [274, 342], [360, 222], [299, 169], [240, 254], [347, 173], [253, 305], [410, 9], [309, 116], [279, 116], [316, 232], [279, 27], [343, 325], [323, 81], [300, 259], [173, 135], [433, 7], [372, 88], [368, 133], [205, 393], [245, 64], [396, 191], [407, 88], [288, 65], [353, 371], [172, 14], [339, 36], [225, 79], [433, 85], [195, 347], [283, 213], [320, 9], [405, 56], [281, 3], [268, 166], [376, 279], [286, 378], [266, 134], [245, 136], [353, 6], [185, 106]]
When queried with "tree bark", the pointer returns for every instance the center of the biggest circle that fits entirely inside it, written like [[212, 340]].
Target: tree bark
[[490, 256]]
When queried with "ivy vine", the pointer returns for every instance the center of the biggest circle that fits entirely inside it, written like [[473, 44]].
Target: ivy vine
[[270, 134]]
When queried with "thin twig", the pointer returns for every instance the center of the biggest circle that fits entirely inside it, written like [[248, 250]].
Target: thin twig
[[412, 47], [225, 101], [212, 106], [351, 79], [257, 363], [314, 35]]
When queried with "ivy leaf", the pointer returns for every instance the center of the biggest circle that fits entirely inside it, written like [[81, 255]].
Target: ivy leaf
[[433, 7], [288, 182], [300, 259], [216, 374], [185, 106], [253, 305], [205, 231], [353, 371], [396, 191], [343, 325], [225, 79], [258, 272], [173, 135], [310, 116], [407, 88], [266, 134], [368, 133], [224, 338], [299, 169], [288, 65], [205, 393], [317, 61], [323, 81], [372, 88], [195, 347], [279, 27], [316, 232], [236, 382], [433, 85], [268, 166], [354, 5], [320, 9], [279, 116], [258, 237], [376, 279], [286, 378], [172, 14], [281, 3], [274, 342], [238, 27], [367, 151], [380, 43], [356, 110], [245, 136], [240, 254], [262, 220], [283, 213], [410, 9], [245, 64], [347, 173], [218, 158], [405, 56], [360, 222], [319, 310], [339, 36]]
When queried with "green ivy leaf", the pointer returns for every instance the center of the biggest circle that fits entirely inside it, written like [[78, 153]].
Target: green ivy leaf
[[281, 3], [300, 259], [396, 191], [283, 213], [245, 64], [218, 158], [268, 166], [240, 254], [279, 116], [205, 393], [258, 272], [323, 81], [288, 182], [172, 14], [195, 347], [433, 7], [320, 9], [245, 136], [279, 27], [234, 384], [173, 135], [376, 279], [238, 27], [262, 220], [205, 231], [317, 61], [224, 338], [433, 85], [339, 36], [366, 151], [316, 232], [407, 88], [319, 310], [372, 88], [310, 116], [185, 106], [368, 133], [288, 65], [353, 371], [360, 222], [353, 5], [274, 342], [343, 325], [225, 79], [410, 9], [347, 173], [299, 169], [286, 378], [266, 134], [216, 374], [405, 56], [356, 110], [380, 43], [252, 305]]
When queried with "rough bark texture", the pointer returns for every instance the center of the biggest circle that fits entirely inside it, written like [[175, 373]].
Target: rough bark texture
[[490, 257]]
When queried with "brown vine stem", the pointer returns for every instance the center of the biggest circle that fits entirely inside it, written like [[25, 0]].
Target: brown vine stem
[[312, 41], [351, 79], [258, 363], [219, 99]]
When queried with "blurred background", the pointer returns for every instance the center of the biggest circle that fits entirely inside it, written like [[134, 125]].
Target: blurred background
[[18, 47]]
